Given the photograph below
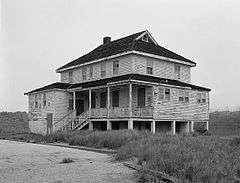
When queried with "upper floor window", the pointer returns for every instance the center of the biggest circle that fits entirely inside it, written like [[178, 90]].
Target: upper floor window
[[84, 73], [90, 71], [183, 96], [164, 93], [149, 67], [201, 98], [70, 76], [177, 70], [115, 67], [103, 69], [145, 38], [44, 100]]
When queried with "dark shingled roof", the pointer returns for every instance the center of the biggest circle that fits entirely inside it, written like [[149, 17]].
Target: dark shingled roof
[[122, 45], [57, 85], [105, 81]]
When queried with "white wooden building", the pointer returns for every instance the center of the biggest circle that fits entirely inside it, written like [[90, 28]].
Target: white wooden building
[[129, 83]]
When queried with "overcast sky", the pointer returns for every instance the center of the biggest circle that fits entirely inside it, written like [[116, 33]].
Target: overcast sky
[[41, 35]]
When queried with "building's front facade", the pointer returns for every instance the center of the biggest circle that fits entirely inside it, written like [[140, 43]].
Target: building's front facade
[[129, 83]]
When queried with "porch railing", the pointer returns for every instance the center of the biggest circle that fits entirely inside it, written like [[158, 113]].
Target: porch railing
[[98, 112], [116, 112], [63, 122], [142, 111]]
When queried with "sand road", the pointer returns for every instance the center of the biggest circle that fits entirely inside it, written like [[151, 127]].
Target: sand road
[[26, 162]]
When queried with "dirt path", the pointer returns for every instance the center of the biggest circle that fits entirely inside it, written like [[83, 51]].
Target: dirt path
[[25, 162]]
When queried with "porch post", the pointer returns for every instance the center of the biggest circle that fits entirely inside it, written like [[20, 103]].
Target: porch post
[[89, 102], [108, 101], [90, 125], [74, 100], [188, 126], [153, 126], [174, 127], [130, 100], [192, 126], [207, 125]]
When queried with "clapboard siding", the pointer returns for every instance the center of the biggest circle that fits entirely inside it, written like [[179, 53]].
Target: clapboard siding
[[125, 67], [175, 110], [161, 68]]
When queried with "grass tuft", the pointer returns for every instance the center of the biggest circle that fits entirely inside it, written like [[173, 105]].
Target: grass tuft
[[67, 160]]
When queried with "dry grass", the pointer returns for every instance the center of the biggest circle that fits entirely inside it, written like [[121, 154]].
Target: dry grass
[[67, 160]]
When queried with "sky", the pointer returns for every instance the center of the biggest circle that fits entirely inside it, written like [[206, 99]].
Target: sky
[[39, 36]]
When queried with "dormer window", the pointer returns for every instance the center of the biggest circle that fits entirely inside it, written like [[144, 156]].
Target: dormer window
[[145, 38]]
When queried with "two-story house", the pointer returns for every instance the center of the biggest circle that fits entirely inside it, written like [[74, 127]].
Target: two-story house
[[128, 83]]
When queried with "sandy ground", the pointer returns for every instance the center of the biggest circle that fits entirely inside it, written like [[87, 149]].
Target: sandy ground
[[25, 162]]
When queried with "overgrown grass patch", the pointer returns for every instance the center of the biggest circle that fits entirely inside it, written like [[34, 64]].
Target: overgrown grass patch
[[67, 160]]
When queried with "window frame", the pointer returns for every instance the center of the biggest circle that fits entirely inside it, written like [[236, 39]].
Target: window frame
[[184, 96], [90, 71], [103, 68], [115, 67], [70, 76], [84, 73], [177, 71], [201, 98], [44, 100], [163, 93], [36, 101], [149, 67]]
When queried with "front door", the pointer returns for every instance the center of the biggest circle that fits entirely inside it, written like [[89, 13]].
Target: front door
[[49, 123], [79, 106]]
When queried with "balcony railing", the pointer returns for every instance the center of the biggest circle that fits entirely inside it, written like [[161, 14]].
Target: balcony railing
[[122, 112]]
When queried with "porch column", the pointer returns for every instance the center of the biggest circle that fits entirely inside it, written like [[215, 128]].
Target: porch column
[[207, 125], [130, 100], [130, 124], [108, 102], [188, 126], [153, 126], [74, 100], [192, 126], [89, 102], [174, 127]]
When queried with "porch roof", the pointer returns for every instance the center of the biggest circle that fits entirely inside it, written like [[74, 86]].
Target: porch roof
[[136, 77]]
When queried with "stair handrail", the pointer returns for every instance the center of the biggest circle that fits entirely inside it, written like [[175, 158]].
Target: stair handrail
[[84, 116]]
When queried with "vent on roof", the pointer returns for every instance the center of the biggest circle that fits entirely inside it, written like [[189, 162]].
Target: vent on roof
[[106, 40]]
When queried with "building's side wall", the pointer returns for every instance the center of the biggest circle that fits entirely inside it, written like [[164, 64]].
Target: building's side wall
[[125, 67], [56, 103], [175, 110], [161, 68]]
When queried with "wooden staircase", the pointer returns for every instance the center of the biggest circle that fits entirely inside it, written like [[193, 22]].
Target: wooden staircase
[[70, 122]]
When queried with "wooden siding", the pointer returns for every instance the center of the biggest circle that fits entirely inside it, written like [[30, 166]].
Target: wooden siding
[[175, 110], [161, 68], [125, 67]]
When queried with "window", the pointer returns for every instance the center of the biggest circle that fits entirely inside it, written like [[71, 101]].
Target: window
[[36, 101], [183, 96], [141, 97], [115, 98], [103, 69], [149, 67], [167, 94], [103, 100], [201, 98], [164, 93], [84, 73], [93, 100], [145, 38], [91, 72], [115, 67], [44, 100], [70, 102], [177, 71], [186, 96], [70, 76]]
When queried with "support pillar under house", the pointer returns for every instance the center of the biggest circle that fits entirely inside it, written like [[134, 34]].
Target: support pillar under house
[[153, 126], [130, 124], [173, 127]]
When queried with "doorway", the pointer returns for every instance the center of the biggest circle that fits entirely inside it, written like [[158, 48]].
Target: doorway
[[49, 123], [79, 107]]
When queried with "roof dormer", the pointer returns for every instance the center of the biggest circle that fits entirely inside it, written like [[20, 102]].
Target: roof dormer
[[147, 37]]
